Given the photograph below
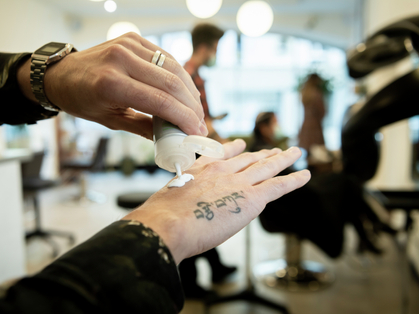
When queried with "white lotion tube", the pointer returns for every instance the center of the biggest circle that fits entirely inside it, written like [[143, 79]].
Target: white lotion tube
[[168, 148], [175, 151]]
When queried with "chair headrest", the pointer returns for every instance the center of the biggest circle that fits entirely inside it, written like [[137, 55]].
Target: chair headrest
[[390, 44]]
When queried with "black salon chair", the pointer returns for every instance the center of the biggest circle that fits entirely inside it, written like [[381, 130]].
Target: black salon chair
[[319, 210], [79, 167], [395, 102], [32, 185]]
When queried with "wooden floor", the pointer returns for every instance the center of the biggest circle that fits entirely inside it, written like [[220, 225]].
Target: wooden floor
[[381, 285]]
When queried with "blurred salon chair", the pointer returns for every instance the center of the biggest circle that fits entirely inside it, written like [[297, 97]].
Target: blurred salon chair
[[79, 167], [249, 293], [396, 101], [133, 199], [392, 53], [330, 201], [32, 185], [305, 214]]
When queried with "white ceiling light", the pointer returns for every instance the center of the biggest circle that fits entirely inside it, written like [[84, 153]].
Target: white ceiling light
[[110, 6], [204, 8], [255, 18], [120, 28]]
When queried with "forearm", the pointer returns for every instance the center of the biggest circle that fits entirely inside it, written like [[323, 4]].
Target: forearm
[[124, 268]]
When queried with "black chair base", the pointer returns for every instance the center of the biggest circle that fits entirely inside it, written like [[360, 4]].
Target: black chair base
[[305, 276], [46, 235], [248, 295]]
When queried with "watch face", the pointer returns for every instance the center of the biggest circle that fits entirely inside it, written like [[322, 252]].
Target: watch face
[[50, 49]]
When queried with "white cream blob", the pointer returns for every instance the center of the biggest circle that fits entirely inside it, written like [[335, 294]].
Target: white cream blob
[[181, 180]]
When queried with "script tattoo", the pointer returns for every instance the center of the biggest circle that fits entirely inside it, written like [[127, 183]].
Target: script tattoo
[[209, 214], [205, 207]]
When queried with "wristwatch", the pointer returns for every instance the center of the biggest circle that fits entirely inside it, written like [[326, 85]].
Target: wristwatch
[[40, 60]]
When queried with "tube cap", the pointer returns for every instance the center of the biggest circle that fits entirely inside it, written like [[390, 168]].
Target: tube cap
[[204, 146], [181, 149]]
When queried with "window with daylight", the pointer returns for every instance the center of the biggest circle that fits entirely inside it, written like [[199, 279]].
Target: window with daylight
[[264, 74]]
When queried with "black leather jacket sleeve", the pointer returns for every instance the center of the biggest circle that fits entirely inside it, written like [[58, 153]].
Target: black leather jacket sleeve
[[125, 268], [15, 108]]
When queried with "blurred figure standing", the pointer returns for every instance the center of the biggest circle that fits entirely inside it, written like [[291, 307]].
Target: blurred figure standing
[[312, 97], [205, 39]]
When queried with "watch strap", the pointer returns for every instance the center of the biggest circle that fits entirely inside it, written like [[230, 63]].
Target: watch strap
[[38, 68], [39, 64]]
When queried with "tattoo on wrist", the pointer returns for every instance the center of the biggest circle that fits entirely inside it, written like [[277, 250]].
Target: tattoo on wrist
[[205, 211]]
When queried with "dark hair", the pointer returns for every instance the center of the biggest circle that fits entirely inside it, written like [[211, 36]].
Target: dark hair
[[314, 79], [263, 118], [206, 34]]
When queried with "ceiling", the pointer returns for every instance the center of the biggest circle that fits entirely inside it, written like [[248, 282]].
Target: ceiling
[[328, 21], [165, 7]]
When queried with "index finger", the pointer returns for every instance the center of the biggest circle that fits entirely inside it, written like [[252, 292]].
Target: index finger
[[231, 149]]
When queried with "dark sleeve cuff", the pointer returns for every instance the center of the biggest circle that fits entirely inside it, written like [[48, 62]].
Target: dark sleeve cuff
[[125, 268], [15, 108]]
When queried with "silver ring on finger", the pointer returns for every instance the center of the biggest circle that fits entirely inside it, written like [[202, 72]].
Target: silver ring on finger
[[156, 57], [160, 62]]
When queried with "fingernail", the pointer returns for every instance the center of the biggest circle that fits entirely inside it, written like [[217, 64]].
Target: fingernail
[[292, 149], [306, 172], [203, 129]]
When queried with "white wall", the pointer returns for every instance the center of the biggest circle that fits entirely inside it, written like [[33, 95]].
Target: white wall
[[379, 13], [26, 25], [12, 252], [394, 169]]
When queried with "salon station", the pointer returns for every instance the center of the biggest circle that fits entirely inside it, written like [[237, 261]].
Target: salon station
[[336, 78]]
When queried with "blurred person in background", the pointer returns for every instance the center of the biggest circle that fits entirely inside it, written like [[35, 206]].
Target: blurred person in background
[[311, 136], [205, 38], [267, 133], [312, 97]]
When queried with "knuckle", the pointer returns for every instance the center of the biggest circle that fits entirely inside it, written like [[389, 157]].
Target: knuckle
[[163, 102], [105, 80], [280, 187], [133, 36], [267, 166], [197, 94], [265, 151], [115, 51], [266, 163], [172, 82], [176, 68], [128, 40], [250, 156]]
